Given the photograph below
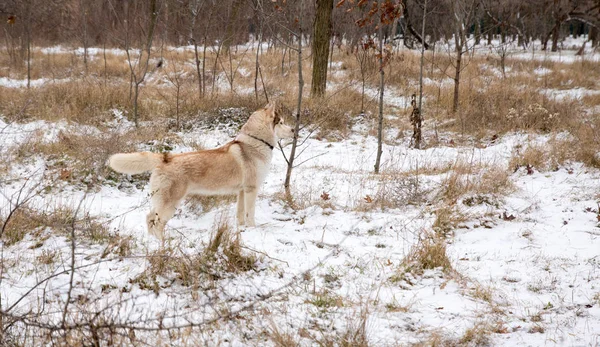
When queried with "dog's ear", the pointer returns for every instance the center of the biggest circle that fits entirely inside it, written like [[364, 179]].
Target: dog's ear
[[271, 109]]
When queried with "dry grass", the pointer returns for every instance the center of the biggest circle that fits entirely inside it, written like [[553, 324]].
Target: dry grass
[[18, 225], [580, 144], [446, 220], [533, 156], [467, 178], [59, 219], [428, 253], [478, 335], [397, 189], [81, 101], [79, 157], [488, 102], [225, 245], [280, 338], [224, 254]]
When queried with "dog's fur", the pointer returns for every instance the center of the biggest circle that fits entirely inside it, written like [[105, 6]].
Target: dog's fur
[[239, 167]]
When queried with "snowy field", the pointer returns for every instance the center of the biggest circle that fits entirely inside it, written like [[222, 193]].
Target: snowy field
[[524, 263]]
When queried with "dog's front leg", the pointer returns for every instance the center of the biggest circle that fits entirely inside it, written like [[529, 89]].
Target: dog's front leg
[[250, 193], [240, 208]]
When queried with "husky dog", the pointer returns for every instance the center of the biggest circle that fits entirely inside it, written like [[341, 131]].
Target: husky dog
[[239, 167]]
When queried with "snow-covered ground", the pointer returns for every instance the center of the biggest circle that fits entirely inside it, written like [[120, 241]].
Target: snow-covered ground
[[319, 266], [525, 263]]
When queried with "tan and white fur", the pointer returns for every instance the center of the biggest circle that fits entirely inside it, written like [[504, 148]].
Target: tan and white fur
[[238, 167]]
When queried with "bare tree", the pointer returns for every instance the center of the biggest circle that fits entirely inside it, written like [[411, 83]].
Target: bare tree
[[364, 57], [463, 12], [417, 114], [139, 65], [381, 92], [290, 160], [83, 13]]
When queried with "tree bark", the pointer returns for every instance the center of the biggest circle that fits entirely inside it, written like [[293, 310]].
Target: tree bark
[[457, 80], [320, 46], [418, 113], [288, 174], [555, 36], [198, 72], [381, 86]]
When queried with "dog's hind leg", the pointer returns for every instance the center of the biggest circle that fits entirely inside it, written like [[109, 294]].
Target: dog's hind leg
[[250, 194], [159, 216], [240, 208], [165, 200]]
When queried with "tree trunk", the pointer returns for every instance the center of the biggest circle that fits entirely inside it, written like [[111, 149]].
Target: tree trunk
[[28, 56], [457, 81], [135, 104], [419, 121], [204, 68], [394, 31], [320, 46], [555, 37], [84, 40], [104, 56], [381, 86], [594, 36], [198, 72], [288, 174], [256, 66]]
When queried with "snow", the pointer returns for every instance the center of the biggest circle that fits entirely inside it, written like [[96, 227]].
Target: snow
[[22, 83], [535, 249], [573, 94], [543, 261]]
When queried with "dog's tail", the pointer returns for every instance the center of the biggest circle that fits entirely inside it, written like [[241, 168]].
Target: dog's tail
[[135, 163]]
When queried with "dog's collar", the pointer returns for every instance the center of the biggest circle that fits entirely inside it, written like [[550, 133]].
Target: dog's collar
[[261, 140]]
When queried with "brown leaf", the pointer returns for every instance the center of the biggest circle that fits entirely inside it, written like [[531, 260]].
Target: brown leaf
[[325, 196], [340, 3], [368, 199], [529, 169], [65, 174], [507, 217]]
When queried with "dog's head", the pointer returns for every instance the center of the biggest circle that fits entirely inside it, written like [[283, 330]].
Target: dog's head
[[274, 116]]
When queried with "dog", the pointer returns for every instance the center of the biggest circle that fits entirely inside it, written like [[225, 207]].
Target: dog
[[238, 167]]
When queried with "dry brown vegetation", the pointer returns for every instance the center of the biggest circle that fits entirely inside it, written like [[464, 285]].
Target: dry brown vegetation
[[466, 178], [489, 103], [223, 254]]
